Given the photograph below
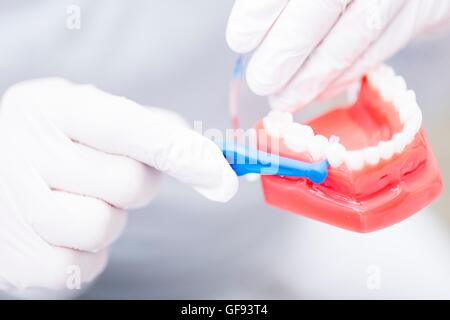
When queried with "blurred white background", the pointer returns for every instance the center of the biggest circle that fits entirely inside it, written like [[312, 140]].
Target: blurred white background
[[173, 54]]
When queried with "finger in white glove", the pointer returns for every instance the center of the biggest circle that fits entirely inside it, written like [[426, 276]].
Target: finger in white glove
[[291, 40], [317, 46], [345, 43], [250, 21], [73, 159], [396, 33]]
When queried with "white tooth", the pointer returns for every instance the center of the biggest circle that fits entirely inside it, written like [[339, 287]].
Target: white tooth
[[317, 147], [399, 141], [386, 71], [392, 87], [406, 105], [415, 123], [410, 131], [408, 112], [354, 160], [412, 126], [400, 84], [297, 136], [386, 149], [273, 129], [374, 78], [386, 90], [404, 99], [417, 112], [378, 75], [336, 154], [371, 155], [334, 139], [405, 114], [276, 122]]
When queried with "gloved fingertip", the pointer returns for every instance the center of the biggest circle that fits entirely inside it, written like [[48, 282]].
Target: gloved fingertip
[[239, 43], [225, 189], [147, 192], [259, 81], [238, 39]]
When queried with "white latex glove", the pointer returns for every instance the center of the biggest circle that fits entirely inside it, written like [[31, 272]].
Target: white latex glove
[[308, 49], [72, 159]]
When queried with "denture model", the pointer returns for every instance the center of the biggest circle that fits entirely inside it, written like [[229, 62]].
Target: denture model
[[380, 167]]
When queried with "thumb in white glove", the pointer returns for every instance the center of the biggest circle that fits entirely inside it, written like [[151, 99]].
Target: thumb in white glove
[[73, 158], [308, 49]]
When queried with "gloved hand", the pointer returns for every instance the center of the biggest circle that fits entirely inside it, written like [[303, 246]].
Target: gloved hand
[[309, 49], [72, 159]]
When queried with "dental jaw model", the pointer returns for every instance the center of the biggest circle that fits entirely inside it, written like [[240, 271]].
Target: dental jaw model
[[381, 169]]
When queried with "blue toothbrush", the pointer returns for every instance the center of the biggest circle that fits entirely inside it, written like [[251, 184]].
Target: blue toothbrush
[[244, 160]]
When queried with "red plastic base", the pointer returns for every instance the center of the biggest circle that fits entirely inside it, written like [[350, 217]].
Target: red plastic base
[[372, 198]]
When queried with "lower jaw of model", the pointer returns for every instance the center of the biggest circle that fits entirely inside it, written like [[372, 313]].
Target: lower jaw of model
[[381, 169]]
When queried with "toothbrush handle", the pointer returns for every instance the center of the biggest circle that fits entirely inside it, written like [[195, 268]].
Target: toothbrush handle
[[244, 160]]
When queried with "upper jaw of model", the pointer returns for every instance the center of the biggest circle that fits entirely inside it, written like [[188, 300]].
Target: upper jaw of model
[[300, 138]]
